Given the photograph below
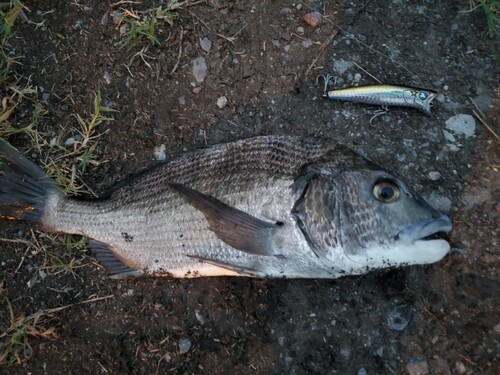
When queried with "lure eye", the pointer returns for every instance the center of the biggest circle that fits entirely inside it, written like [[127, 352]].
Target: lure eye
[[386, 191], [422, 95]]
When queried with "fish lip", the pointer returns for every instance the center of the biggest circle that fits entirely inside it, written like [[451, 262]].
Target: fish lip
[[423, 229]]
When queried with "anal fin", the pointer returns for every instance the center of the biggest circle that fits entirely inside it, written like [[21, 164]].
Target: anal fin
[[107, 257]]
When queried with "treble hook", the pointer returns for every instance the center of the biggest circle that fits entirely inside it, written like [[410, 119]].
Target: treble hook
[[327, 79]]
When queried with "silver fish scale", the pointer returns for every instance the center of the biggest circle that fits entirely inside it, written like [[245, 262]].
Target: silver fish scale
[[154, 229]]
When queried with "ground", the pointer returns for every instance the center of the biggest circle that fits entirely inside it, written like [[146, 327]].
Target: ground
[[264, 58]]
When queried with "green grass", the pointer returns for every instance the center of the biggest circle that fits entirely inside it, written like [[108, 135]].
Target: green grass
[[491, 9], [141, 26]]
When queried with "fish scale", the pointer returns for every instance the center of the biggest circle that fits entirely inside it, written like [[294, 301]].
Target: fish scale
[[271, 206]]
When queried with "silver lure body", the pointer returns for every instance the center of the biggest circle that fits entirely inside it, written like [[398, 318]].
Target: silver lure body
[[386, 95], [273, 206]]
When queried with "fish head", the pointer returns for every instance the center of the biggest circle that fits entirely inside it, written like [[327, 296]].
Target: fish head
[[421, 99], [383, 223]]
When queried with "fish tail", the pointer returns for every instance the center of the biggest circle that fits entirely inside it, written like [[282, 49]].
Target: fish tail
[[25, 190]]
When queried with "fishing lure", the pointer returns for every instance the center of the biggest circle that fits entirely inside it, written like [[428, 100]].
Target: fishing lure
[[383, 95]]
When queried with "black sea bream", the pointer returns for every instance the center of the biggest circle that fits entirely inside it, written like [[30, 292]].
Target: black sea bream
[[272, 206]]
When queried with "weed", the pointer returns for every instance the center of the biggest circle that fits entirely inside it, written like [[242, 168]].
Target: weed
[[492, 10], [14, 341], [140, 26]]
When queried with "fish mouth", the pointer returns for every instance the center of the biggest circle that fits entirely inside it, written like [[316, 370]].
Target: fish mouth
[[425, 230]]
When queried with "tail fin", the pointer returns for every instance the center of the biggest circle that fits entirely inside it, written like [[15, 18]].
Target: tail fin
[[24, 188]]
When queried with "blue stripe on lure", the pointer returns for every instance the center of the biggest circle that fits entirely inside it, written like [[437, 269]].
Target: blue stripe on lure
[[386, 95]]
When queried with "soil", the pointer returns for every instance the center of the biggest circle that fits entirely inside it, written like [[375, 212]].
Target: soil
[[438, 319]]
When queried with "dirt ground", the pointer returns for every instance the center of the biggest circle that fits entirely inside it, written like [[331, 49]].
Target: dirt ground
[[438, 319]]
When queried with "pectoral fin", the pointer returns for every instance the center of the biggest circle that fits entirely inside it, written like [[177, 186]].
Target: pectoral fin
[[235, 227]]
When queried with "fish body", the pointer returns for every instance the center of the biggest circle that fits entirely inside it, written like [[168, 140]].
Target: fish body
[[272, 206], [386, 95]]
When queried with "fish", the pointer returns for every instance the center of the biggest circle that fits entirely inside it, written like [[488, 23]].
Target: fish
[[384, 95], [276, 206]]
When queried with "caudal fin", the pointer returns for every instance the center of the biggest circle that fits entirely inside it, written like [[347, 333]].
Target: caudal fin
[[24, 188]]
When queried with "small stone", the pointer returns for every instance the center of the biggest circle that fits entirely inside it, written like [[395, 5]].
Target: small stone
[[300, 30], [285, 10], [434, 175], [199, 69], [69, 142], [460, 367], [399, 318], [200, 317], [181, 100], [340, 66], [184, 345], [462, 124], [107, 77], [45, 96], [439, 202], [206, 44], [196, 90], [313, 19], [417, 366], [357, 77], [483, 101], [448, 136], [159, 153], [497, 328], [440, 366], [362, 371], [276, 43], [222, 102], [477, 196]]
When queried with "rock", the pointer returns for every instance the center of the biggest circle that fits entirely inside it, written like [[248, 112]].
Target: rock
[[477, 196], [206, 44], [200, 317], [462, 124], [357, 77], [399, 318], [313, 19], [434, 175], [448, 136], [417, 366], [300, 30], [222, 102], [199, 69], [184, 345], [440, 366], [107, 77], [460, 367], [45, 96], [483, 101], [181, 100], [159, 153], [196, 90], [362, 371], [439, 202], [69, 142], [497, 328], [340, 66]]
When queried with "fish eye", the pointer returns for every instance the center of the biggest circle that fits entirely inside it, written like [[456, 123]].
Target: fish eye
[[422, 95], [386, 191]]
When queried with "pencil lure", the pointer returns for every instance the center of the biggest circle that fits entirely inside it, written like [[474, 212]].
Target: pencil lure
[[386, 95]]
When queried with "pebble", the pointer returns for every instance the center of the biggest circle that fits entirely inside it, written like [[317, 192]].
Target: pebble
[[440, 366], [399, 318], [476, 197], [184, 345], [206, 44], [313, 19], [483, 101], [181, 100], [439, 202], [448, 136], [461, 124], [199, 69], [222, 102], [340, 66], [357, 77], [107, 77], [159, 153], [434, 175], [69, 142], [200, 317], [196, 90], [460, 367], [45, 96], [362, 371], [497, 328], [417, 366], [300, 30]]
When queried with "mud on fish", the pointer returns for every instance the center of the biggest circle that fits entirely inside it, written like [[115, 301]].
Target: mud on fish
[[272, 206]]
